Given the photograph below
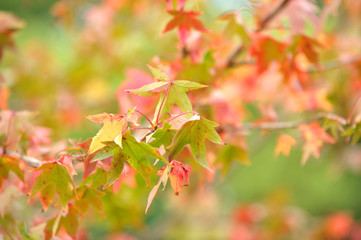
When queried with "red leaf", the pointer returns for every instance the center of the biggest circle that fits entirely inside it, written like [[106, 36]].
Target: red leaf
[[179, 175], [185, 21]]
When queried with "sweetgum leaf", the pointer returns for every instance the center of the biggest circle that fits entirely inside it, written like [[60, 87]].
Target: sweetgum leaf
[[150, 89], [89, 196], [53, 174], [71, 221], [163, 136], [113, 126], [163, 179], [172, 92], [194, 133], [7, 165], [138, 153], [158, 74], [117, 166]]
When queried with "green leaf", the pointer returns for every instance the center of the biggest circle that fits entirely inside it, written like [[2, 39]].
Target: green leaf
[[150, 89], [97, 179], [89, 196], [9, 164], [57, 175], [117, 166], [163, 179], [158, 74], [162, 136], [231, 153], [189, 84], [138, 153], [70, 222], [194, 133], [105, 152]]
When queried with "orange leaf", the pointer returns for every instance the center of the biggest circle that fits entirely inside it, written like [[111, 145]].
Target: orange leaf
[[284, 144]]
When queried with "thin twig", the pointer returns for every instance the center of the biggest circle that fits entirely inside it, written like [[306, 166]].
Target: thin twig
[[263, 24], [181, 114], [161, 104], [30, 161], [353, 109], [272, 15], [288, 125], [144, 116]]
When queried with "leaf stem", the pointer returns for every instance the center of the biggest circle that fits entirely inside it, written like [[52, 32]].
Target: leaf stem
[[181, 114], [161, 104], [144, 117], [353, 109]]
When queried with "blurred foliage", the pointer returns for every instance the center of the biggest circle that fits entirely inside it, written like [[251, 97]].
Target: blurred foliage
[[69, 62]]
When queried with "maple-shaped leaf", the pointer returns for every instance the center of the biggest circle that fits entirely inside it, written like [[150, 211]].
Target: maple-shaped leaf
[[88, 196], [179, 176], [194, 133], [54, 178], [185, 21], [68, 221], [164, 172], [8, 25], [231, 153], [116, 169], [138, 154], [284, 144], [96, 179], [314, 135], [162, 136], [67, 162], [9, 164], [113, 126], [172, 92], [267, 50]]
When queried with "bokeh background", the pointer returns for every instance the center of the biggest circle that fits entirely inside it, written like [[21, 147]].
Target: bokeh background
[[71, 62]]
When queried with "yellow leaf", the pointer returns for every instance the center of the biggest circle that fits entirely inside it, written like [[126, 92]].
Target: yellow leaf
[[113, 126]]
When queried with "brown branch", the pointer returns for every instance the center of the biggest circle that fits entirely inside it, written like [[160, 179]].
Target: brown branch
[[263, 25], [272, 15], [30, 161], [288, 125]]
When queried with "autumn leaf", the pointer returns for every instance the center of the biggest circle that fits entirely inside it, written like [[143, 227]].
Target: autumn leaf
[[138, 154], [54, 178], [162, 136], [116, 169], [113, 126], [314, 135], [185, 21], [9, 164], [231, 153], [164, 172], [284, 144], [88, 196], [68, 221], [179, 176], [194, 133], [172, 92]]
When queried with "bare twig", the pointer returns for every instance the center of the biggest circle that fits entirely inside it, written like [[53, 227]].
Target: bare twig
[[30, 161], [263, 24], [272, 15], [288, 125]]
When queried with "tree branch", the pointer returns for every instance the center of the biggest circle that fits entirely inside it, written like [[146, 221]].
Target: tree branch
[[30, 161], [288, 125], [263, 25]]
